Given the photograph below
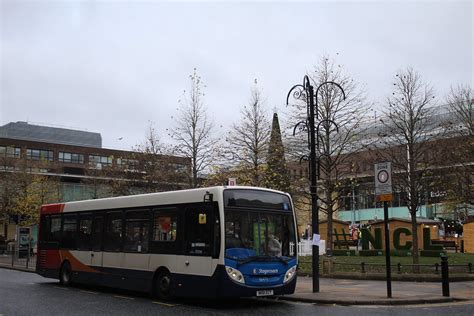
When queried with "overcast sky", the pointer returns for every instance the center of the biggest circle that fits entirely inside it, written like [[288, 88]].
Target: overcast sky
[[113, 66]]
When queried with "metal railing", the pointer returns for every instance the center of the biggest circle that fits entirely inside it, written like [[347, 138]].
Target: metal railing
[[18, 257]]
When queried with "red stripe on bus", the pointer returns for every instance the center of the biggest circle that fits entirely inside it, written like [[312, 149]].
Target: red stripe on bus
[[52, 259], [52, 208]]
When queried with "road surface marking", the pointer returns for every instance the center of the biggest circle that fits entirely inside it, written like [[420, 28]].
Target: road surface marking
[[124, 297], [90, 292], [60, 287], [165, 304]]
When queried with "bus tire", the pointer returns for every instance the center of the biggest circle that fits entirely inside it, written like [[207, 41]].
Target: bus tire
[[65, 274], [163, 285]]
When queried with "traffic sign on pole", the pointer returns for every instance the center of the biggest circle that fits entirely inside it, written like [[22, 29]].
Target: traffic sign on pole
[[383, 181]]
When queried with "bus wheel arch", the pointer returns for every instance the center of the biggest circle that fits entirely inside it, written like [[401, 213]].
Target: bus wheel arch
[[65, 273], [162, 284]]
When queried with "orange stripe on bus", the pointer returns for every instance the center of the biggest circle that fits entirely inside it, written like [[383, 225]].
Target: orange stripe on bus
[[76, 265]]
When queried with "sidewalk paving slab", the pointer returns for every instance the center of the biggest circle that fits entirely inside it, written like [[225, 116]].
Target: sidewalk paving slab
[[370, 292]]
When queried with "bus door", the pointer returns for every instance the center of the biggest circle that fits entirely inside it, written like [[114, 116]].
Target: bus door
[[96, 241], [200, 243]]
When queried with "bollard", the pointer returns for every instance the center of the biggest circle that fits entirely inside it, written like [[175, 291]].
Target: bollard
[[13, 254], [469, 265], [399, 268], [445, 275], [362, 266], [462, 246], [436, 267]]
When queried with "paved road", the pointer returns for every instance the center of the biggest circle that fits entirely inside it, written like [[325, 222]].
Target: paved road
[[24, 293]]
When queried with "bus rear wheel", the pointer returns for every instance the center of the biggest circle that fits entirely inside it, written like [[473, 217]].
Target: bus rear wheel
[[65, 274], [163, 285]]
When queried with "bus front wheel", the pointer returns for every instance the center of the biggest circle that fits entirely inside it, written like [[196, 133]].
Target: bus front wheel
[[163, 285], [65, 274]]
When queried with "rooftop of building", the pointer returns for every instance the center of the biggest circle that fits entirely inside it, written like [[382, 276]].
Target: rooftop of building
[[48, 134]]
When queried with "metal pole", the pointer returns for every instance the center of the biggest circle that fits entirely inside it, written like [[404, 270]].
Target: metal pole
[[313, 189], [387, 251], [445, 275]]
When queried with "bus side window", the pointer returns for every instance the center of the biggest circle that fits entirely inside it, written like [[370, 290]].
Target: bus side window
[[113, 232], [164, 227], [85, 232], [69, 233], [136, 231], [97, 230], [45, 228], [198, 232], [55, 229]]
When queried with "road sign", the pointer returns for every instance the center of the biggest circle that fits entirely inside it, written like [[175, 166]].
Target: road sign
[[383, 181], [232, 182]]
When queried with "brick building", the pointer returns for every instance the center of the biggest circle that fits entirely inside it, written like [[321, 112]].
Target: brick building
[[76, 161]]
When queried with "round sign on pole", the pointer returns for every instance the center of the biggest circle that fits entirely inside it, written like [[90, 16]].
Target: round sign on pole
[[383, 181]]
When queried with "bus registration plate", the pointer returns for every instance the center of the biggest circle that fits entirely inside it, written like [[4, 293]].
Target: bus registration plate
[[264, 292]]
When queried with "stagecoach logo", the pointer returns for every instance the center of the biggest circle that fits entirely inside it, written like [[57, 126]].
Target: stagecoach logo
[[265, 271]]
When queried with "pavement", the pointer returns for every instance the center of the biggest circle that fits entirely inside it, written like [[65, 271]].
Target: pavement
[[369, 292], [363, 292]]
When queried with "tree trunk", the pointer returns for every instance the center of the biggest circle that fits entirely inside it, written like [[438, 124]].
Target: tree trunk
[[416, 256]]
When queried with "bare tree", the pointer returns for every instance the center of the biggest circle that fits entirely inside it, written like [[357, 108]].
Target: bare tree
[[152, 168], [461, 98], [340, 126], [193, 130], [407, 140], [460, 181], [247, 142]]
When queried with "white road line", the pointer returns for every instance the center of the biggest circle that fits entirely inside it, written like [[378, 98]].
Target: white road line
[[90, 292], [124, 297], [60, 287], [164, 304]]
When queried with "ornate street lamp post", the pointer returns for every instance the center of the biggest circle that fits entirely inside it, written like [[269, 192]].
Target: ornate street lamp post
[[306, 92]]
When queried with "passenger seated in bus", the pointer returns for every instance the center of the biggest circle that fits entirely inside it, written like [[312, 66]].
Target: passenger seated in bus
[[273, 246]]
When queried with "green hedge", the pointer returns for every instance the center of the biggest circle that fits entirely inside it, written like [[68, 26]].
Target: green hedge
[[401, 253], [373, 252], [343, 252], [432, 253]]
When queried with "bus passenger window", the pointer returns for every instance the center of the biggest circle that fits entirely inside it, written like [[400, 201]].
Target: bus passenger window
[[85, 232], [198, 235], [164, 227], [136, 231], [55, 232], [113, 233], [68, 239]]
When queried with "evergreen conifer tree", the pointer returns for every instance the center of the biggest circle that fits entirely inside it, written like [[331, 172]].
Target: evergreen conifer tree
[[276, 176]]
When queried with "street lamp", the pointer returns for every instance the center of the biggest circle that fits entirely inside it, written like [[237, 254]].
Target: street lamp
[[305, 92]]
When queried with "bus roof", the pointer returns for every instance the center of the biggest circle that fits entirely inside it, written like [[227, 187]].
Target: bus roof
[[144, 200]]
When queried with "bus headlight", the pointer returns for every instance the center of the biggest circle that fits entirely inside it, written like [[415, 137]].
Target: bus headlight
[[290, 274], [235, 275]]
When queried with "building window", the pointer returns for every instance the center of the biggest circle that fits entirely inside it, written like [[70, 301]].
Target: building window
[[98, 162], [179, 168], [128, 164], [37, 170], [70, 157], [10, 152], [39, 154]]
